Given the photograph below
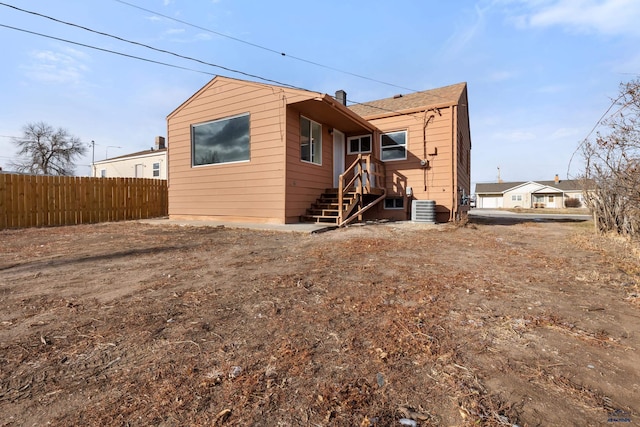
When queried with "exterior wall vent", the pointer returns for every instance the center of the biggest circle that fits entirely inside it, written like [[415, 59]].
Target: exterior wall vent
[[423, 211]]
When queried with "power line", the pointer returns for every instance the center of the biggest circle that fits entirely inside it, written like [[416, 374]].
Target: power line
[[167, 64], [105, 50], [161, 51], [595, 126], [255, 76], [317, 64]]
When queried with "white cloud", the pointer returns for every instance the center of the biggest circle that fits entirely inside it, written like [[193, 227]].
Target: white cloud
[[203, 36], [174, 31], [154, 18], [460, 39], [566, 133], [608, 17], [500, 76], [64, 66]]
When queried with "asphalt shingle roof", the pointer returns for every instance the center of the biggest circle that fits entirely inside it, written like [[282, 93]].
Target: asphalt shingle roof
[[448, 95], [501, 187], [136, 154]]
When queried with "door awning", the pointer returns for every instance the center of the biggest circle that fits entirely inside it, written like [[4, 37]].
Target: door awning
[[329, 112]]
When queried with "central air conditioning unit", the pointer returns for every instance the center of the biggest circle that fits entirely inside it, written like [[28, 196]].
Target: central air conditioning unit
[[423, 211]]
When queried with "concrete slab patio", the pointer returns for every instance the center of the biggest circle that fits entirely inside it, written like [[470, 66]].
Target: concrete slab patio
[[293, 228]]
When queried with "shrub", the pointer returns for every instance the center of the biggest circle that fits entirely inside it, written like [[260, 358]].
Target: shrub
[[573, 202]]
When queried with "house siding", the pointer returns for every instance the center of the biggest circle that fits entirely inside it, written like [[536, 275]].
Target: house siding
[[305, 181], [432, 183], [275, 185], [126, 167], [243, 191], [463, 172]]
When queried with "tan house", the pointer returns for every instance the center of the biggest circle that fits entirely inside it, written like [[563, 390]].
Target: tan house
[[150, 163], [530, 194], [246, 151]]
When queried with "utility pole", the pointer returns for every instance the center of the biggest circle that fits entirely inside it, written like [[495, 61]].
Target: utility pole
[[93, 158]]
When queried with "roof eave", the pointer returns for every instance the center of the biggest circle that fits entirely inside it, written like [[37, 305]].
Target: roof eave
[[407, 111]]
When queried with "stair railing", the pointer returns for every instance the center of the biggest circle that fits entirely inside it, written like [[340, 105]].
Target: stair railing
[[368, 173]]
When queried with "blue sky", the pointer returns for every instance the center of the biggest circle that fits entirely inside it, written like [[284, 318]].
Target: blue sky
[[540, 73]]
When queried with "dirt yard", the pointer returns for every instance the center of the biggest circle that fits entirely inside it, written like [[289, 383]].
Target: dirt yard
[[528, 324]]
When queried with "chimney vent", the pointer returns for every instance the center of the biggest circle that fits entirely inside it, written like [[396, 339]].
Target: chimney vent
[[341, 97], [160, 143], [557, 179]]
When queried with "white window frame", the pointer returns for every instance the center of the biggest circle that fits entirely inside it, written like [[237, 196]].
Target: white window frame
[[103, 173], [395, 199], [312, 146], [516, 197], [382, 149], [359, 138], [156, 169]]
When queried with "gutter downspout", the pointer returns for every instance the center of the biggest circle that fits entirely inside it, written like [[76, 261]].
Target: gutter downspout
[[454, 162]]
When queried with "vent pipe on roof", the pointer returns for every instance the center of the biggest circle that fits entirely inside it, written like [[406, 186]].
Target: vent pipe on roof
[[341, 97], [160, 143]]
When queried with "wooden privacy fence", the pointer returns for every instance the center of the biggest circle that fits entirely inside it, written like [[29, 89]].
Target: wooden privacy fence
[[40, 201]]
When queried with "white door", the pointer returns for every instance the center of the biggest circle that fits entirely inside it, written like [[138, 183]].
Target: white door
[[552, 201], [139, 171], [338, 156]]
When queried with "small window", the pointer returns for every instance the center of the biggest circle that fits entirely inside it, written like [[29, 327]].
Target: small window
[[393, 146], [359, 144], [394, 203], [516, 198], [221, 141], [156, 169], [551, 199], [103, 173], [310, 141]]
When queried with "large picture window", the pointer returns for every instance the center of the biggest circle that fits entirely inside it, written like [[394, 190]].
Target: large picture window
[[359, 144], [221, 141], [393, 145], [310, 141]]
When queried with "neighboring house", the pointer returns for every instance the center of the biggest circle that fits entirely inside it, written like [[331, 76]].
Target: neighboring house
[[529, 194], [246, 151], [143, 164]]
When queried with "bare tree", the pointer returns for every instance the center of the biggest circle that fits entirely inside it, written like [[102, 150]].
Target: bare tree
[[613, 167], [45, 150]]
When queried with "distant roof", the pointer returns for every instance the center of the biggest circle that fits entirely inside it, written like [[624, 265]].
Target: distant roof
[[137, 154], [448, 95], [496, 187], [501, 187]]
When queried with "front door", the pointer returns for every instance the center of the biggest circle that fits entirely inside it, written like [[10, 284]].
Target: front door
[[338, 156]]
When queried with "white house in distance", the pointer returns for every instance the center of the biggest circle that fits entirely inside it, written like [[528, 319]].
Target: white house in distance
[[143, 164], [529, 194]]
